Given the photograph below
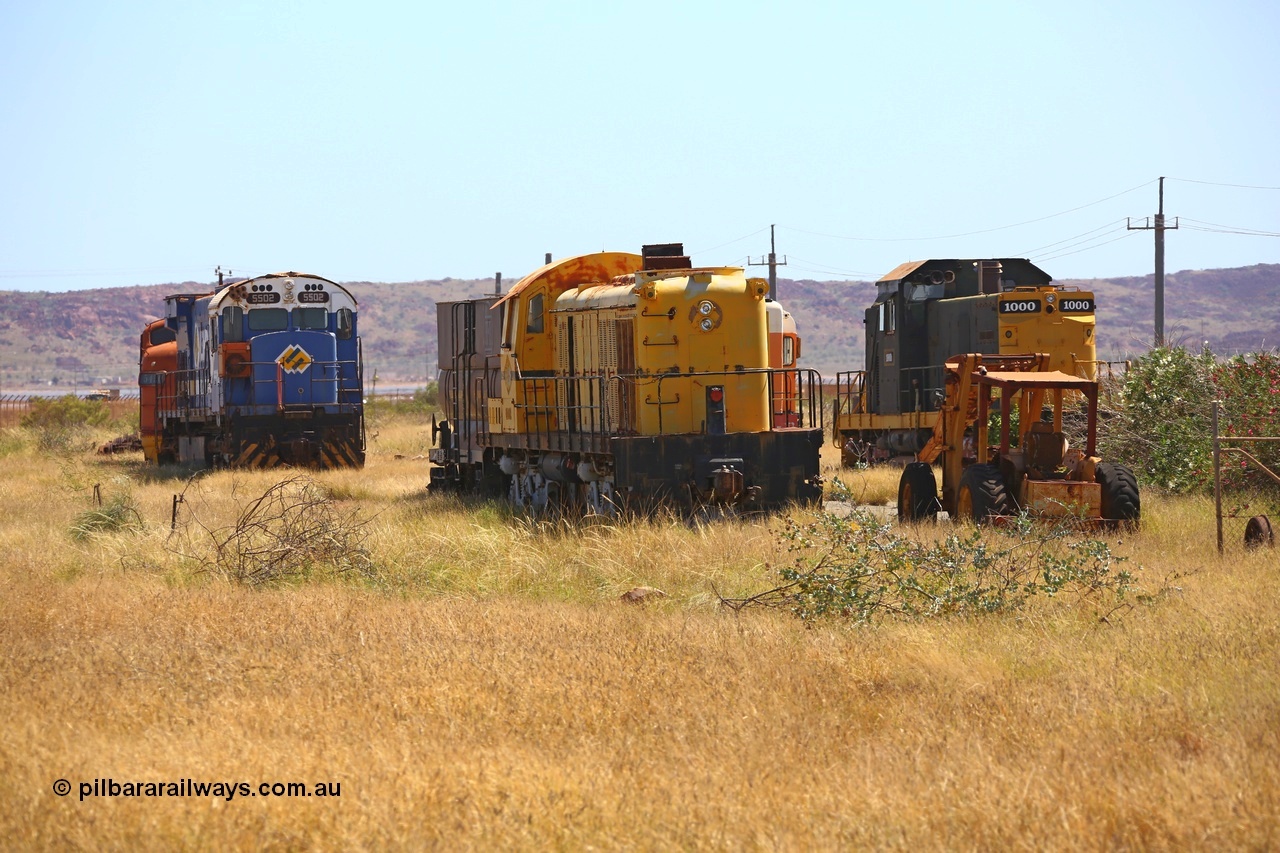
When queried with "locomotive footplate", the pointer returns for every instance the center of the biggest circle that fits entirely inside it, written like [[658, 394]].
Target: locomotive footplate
[[764, 469], [325, 440]]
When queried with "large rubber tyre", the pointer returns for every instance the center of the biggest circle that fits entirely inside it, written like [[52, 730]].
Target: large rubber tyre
[[1120, 499], [917, 493], [982, 494], [1258, 532]]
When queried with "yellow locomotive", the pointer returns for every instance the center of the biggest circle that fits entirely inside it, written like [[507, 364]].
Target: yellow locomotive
[[615, 380]]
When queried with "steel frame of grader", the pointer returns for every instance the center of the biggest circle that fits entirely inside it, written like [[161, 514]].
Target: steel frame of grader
[[991, 480]]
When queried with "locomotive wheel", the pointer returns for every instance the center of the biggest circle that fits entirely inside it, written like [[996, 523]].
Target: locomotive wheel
[[982, 494], [917, 493], [600, 499], [532, 493], [1258, 532], [1120, 500]]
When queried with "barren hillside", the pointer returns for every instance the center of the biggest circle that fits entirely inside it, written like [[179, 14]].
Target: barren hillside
[[89, 337]]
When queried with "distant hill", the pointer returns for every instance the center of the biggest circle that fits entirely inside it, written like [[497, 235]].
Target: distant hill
[[90, 337]]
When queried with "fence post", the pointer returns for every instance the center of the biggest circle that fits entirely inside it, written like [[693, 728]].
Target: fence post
[[1217, 476]]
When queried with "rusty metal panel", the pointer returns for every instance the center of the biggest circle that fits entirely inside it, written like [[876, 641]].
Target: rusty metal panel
[[560, 275], [901, 271], [1056, 498]]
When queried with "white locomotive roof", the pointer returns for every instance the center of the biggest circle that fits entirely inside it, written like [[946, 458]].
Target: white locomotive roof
[[216, 301]]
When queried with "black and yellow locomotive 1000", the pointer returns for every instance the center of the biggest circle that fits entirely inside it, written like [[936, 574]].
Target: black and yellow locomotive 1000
[[616, 380], [926, 312]]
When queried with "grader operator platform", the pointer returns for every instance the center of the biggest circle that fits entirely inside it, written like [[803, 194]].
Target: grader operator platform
[[1034, 469]]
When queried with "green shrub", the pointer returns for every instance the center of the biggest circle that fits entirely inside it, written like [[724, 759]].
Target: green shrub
[[12, 441], [425, 401], [60, 424], [1163, 430], [66, 412], [860, 569], [1248, 390], [119, 513]]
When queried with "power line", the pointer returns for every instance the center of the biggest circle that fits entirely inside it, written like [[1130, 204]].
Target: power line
[[1029, 252], [830, 269], [1217, 184], [968, 233], [818, 272], [1124, 236], [1215, 228], [730, 243]]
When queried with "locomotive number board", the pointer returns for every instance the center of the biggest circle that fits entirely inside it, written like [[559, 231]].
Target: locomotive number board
[[1075, 306], [266, 298], [313, 296], [1019, 306]]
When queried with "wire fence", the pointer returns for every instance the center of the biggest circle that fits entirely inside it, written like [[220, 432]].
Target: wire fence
[[1241, 522], [14, 407]]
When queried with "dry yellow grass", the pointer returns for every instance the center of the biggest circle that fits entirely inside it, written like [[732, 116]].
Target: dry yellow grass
[[484, 689]]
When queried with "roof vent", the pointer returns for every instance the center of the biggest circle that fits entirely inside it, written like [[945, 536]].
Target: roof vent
[[988, 276], [665, 256]]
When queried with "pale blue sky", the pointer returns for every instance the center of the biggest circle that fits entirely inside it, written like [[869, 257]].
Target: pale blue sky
[[146, 142]]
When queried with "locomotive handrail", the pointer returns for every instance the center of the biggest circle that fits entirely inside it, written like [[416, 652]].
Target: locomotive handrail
[[1111, 366], [851, 392], [812, 384], [342, 391], [188, 394], [568, 412], [190, 390], [922, 397]]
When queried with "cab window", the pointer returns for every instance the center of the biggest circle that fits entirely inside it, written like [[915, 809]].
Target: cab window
[[788, 350], [233, 324], [346, 324], [888, 317], [268, 320], [537, 321], [310, 318]]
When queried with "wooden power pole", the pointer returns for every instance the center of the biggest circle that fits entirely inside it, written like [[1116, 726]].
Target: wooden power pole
[[1159, 228], [773, 263]]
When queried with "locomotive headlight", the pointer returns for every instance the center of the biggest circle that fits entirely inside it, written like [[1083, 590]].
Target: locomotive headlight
[[707, 325], [705, 308]]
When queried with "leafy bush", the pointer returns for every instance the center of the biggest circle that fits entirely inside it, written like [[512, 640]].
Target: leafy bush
[[60, 423], [66, 412], [1248, 388], [425, 401], [1163, 432], [860, 569], [12, 441]]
